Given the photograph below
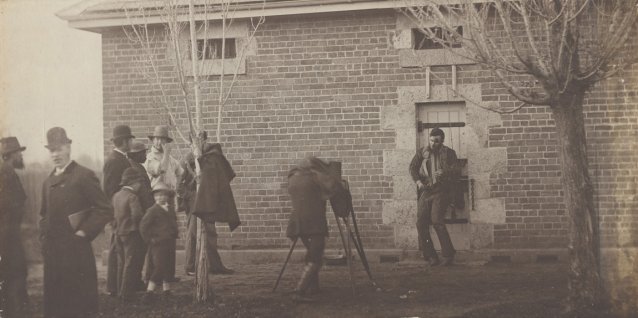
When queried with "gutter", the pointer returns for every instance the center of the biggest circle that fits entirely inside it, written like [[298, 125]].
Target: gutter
[[107, 19]]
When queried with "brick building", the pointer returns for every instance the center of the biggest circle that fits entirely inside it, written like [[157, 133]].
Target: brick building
[[345, 80]]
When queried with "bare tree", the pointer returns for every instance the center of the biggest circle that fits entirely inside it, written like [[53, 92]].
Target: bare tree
[[177, 34], [547, 52]]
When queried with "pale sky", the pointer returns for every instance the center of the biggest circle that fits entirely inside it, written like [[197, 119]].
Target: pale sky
[[50, 75]]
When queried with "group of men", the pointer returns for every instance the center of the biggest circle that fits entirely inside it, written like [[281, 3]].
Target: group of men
[[157, 167], [70, 277], [75, 209]]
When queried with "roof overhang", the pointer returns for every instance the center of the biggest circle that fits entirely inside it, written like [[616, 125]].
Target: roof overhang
[[95, 15]]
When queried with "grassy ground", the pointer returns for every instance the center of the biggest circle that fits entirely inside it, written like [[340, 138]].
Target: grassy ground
[[407, 290]]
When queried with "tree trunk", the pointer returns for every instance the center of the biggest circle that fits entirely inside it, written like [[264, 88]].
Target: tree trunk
[[585, 285]]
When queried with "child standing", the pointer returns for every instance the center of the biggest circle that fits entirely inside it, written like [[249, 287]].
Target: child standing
[[130, 246], [159, 230]]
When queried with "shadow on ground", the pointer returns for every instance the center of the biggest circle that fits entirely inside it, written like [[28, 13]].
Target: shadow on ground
[[408, 290]]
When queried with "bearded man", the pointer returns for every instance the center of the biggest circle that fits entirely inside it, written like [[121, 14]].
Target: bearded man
[[13, 266]]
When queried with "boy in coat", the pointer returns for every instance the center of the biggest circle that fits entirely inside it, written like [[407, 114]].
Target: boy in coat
[[159, 230], [130, 246]]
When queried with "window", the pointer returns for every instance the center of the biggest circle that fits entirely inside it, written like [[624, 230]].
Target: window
[[210, 49], [422, 42]]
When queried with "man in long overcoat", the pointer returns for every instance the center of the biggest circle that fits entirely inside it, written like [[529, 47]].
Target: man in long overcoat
[[187, 195], [114, 166], [215, 201], [74, 211], [13, 266], [310, 184]]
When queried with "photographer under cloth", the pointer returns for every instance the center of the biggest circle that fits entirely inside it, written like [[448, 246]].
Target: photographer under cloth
[[310, 184]]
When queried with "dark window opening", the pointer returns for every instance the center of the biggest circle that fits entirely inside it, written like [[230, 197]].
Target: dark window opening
[[422, 42], [209, 49]]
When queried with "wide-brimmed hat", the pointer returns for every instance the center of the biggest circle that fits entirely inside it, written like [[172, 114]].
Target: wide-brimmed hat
[[161, 186], [122, 131], [137, 146], [10, 144], [161, 132], [130, 176], [56, 137]]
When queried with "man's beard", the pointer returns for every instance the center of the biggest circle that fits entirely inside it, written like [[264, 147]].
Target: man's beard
[[18, 164], [138, 158]]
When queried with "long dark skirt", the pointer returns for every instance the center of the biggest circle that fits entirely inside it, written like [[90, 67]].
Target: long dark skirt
[[70, 277]]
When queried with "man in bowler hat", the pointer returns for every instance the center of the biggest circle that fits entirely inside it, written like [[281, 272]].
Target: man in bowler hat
[[13, 266], [114, 165], [74, 211]]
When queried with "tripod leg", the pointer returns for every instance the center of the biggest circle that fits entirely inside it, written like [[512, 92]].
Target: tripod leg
[[346, 247], [292, 248], [349, 254], [362, 253]]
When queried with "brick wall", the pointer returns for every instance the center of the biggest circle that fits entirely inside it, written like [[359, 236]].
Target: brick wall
[[318, 85]]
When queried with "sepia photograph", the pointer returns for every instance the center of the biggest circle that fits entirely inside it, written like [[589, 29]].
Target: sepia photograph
[[318, 158]]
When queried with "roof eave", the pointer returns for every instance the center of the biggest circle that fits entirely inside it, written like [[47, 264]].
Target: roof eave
[[79, 19]]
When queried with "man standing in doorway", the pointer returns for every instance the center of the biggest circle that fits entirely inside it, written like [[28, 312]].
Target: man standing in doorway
[[114, 167], [13, 266], [435, 171]]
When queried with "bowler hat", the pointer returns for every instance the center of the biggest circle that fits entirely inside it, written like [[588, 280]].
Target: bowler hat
[[11, 144], [161, 132], [56, 137], [122, 131], [130, 176], [161, 186], [137, 146]]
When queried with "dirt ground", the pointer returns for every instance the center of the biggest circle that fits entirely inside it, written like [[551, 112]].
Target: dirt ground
[[408, 289]]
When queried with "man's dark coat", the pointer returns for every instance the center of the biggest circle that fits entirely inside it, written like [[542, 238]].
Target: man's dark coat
[[187, 186], [12, 198], [70, 276], [215, 201], [158, 225], [128, 212], [449, 167], [114, 167], [145, 194], [13, 266]]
